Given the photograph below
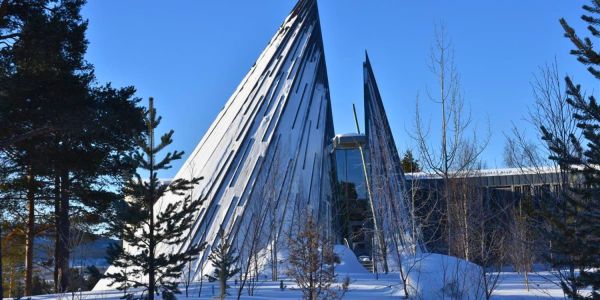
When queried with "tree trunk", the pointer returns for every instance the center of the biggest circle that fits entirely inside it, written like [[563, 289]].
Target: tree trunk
[[151, 240], [30, 232], [223, 286], [11, 280], [448, 216], [151, 266], [1, 260], [57, 244], [384, 253], [64, 232], [274, 274], [466, 224]]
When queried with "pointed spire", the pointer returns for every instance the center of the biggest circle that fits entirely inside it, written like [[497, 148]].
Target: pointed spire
[[251, 148], [303, 6], [385, 167]]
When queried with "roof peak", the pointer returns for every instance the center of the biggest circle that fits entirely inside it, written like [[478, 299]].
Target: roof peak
[[303, 5]]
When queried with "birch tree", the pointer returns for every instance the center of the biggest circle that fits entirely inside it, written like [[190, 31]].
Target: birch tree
[[459, 144]]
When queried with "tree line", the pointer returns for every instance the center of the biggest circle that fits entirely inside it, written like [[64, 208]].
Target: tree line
[[65, 136]]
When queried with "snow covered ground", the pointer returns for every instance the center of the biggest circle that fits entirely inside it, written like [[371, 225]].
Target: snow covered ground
[[363, 286], [512, 286], [428, 277]]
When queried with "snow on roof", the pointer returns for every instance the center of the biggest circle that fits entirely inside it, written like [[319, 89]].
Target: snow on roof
[[349, 135], [489, 172], [349, 140]]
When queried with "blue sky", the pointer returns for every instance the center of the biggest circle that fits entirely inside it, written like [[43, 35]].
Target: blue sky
[[191, 55]]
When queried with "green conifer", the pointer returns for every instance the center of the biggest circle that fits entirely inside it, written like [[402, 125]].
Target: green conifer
[[143, 228], [575, 221], [224, 259]]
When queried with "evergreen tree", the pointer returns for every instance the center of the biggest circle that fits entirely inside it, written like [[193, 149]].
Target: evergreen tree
[[62, 130], [575, 222], [4, 171], [409, 163], [224, 259], [12, 18], [142, 228]]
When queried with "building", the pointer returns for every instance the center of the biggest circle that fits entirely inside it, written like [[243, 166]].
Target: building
[[271, 157], [506, 185], [496, 196]]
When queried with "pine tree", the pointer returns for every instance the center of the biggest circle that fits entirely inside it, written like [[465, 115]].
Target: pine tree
[[143, 229], [11, 20], [409, 163], [62, 130], [224, 259], [575, 222]]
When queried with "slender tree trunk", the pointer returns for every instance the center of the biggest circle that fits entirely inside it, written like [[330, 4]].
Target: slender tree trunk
[[384, 252], [151, 267], [274, 259], [57, 243], [1, 260], [413, 218], [189, 279], [466, 224], [223, 283], [373, 257], [445, 162], [11, 280], [151, 241], [64, 231], [30, 232]]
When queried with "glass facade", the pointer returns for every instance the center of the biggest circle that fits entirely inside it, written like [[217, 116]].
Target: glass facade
[[351, 209], [350, 174]]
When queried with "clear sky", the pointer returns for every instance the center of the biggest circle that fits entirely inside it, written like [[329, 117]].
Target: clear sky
[[191, 55]]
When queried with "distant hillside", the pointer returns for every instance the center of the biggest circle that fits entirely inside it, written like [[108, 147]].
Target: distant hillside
[[89, 250]]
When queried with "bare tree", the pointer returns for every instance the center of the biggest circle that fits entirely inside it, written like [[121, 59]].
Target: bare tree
[[423, 211], [201, 264], [460, 147], [551, 114], [550, 110], [310, 259], [522, 239], [273, 194], [488, 233], [249, 252], [258, 246]]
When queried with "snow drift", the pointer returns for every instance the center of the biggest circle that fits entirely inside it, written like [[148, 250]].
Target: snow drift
[[437, 276]]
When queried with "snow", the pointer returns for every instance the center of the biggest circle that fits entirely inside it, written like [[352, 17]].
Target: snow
[[491, 172], [348, 262], [429, 275], [363, 286], [436, 276]]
